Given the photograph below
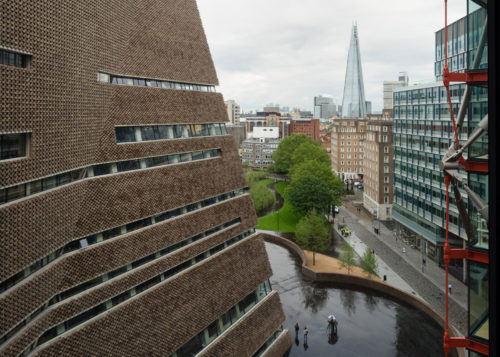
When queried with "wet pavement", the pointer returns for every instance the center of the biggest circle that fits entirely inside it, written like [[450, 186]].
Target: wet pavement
[[427, 282], [370, 324]]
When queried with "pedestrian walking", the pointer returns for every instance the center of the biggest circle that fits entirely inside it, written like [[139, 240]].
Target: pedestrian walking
[[449, 288], [404, 250], [373, 251], [306, 332], [296, 328]]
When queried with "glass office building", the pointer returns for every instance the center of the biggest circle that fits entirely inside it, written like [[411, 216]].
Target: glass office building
[[423, 131]]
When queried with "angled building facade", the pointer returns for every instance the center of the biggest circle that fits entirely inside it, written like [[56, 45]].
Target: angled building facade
[[126, 229], [354, 102]]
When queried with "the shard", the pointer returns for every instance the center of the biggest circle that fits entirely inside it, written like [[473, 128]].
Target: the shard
[[353, 102]]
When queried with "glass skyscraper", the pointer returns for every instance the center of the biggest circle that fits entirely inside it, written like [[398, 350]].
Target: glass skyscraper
[[354, 102]]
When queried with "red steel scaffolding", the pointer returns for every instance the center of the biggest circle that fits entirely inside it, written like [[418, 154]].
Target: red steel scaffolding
[[452, 162]]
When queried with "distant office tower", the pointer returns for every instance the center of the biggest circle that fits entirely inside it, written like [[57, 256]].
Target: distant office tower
[[324, 107], [124, 222], [272, 108], [233, 112], [285, 109], [389, 87], [354, 102]]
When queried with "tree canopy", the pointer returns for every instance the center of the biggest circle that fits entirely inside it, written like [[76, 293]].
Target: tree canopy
[[307, 192], [283, 155], [312, 233], [310, 151]]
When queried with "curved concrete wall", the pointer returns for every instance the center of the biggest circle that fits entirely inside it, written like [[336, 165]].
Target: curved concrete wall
[[357, 281]]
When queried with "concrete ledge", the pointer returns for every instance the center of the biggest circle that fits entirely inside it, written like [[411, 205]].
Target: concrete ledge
[[356, 281]]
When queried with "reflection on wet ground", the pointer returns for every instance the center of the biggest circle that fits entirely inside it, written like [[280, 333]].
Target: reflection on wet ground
[[369, 324]]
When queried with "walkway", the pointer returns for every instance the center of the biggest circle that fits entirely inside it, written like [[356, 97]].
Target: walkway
[[428, 284]]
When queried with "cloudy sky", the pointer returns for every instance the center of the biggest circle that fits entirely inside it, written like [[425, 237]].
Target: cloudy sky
[[288, 51]]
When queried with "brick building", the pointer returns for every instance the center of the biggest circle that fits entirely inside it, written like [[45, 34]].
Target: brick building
[[269, 119], [378, 168], [125, 229], [347, 148], [308, 127]]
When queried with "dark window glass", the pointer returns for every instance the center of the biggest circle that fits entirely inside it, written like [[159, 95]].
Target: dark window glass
[[3, 195], [163, 132], [178, 131], [128, 165], [48, 183], [117, 272], [192, 207], [13, 145], [142, 261], [102, 169], [15, 192], [139, 82], [186, 157], [63, 179], [172, 159], [150, 133], [85, 316], [138, 224], [197, 237], [157, 161], [199, 258], [247, 302], [197, 155], [216, 249], [162, 217], [125, 134], [192, 347], [13, 59], [146, 285], [215, 152], [120, 298], [223, 129], [110, 233], [233, 314], [152, 83], [47, 336], [71, 246]]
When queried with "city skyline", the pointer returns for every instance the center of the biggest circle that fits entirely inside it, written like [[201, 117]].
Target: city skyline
[[290, 52]]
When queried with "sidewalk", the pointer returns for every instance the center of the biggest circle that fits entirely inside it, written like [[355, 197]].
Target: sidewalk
[[428, 285]]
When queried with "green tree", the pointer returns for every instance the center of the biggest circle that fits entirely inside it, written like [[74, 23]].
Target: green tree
[[368, 262], [312, 233], [325, 174], [283, 155], [310, 151], [307, 192], [347, 257]]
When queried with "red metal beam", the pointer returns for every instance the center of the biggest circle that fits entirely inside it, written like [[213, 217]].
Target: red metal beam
[[474, 166], [466, 77], [467, 343], [469, 255]]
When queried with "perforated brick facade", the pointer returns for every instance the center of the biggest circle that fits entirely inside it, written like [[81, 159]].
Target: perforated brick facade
[[71, 118]]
